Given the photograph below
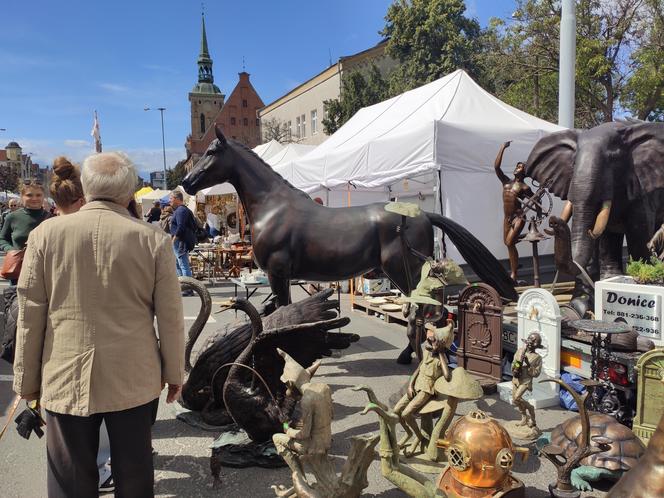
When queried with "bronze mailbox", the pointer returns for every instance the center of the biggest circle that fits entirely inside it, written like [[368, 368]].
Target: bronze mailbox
[[480, 331]]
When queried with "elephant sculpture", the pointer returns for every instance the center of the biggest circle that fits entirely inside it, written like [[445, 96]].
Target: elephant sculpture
[[612, 177]]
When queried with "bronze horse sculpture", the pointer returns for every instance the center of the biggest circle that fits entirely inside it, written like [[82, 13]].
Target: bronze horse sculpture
[[294, 237]]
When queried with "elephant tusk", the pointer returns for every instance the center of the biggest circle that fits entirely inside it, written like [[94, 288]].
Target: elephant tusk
[[567, 211], [601, 221]]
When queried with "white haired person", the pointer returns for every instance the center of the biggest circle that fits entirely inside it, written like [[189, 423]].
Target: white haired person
[[86, 346]]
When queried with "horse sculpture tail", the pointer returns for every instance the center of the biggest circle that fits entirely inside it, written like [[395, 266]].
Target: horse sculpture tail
[[483, 263]]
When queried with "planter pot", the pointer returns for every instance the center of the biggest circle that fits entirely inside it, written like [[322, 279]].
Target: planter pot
[[639, 305]]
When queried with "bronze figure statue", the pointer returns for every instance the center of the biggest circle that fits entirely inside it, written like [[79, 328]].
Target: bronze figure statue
[[514, 192], [656, 244], [646, 478], [294, 237], [421, 385], [526, 367], [305, 443]]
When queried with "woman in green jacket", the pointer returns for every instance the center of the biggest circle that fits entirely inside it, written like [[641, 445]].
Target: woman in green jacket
[[19, 224]]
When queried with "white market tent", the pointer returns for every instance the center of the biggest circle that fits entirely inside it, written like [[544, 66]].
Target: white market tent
[[267, 150], [288, 154], [436, 142]]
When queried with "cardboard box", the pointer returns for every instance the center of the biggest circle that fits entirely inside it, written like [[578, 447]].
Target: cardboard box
[[375, 285]]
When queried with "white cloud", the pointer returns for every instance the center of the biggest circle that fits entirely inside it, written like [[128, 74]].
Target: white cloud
[[114, 87], [145, 160], [77, 143], [471, 8]]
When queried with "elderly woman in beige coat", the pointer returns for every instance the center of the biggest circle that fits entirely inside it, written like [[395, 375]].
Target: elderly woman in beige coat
[[91, 286]]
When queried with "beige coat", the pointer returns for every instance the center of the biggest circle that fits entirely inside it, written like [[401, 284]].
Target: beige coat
[[91, 286]]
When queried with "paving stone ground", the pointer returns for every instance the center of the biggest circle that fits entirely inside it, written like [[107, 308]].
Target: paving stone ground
[[182, 460]]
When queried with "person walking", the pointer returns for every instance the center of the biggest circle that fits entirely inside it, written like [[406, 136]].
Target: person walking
[[165, 219], [154, 214], [183, 232], [12, 206], [86, 343]]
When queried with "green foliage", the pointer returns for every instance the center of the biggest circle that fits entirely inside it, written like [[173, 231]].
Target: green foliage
[[647, 273], [619, 51], [8, 178], [430, 38], [357, 91], [174, 176]]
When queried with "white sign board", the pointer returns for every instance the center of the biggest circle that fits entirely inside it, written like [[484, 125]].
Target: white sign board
[[640, 306]]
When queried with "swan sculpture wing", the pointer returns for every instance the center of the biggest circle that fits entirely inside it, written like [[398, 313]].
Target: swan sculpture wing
[[257, 401]]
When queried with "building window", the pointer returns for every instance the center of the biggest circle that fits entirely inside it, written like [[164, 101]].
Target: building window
[[304, 126], [258, 122], [245, 122], [298, 128], [244, 103], [232, 121], [202, 123], [289, 130], [314, 121]]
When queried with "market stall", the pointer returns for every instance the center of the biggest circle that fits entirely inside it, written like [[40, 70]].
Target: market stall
[[434, 146]]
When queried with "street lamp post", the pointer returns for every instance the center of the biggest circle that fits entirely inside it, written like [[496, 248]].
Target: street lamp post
[[163, 142]]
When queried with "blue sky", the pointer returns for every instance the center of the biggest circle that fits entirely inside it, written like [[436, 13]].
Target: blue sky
[[61, 60]]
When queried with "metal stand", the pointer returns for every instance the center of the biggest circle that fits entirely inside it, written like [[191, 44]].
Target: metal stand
[[600, 352]]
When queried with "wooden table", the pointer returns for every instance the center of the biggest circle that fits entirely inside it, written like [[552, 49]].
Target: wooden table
[[233, 255]]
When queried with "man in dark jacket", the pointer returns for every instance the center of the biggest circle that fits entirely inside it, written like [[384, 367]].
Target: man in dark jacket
[[183, 233], [154, 214]]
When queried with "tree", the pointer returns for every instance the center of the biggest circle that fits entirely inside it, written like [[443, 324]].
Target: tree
[[644, 92], [8, 178], [174, 176], [618, 50], [430, 38], [357, 91], [276, 129]]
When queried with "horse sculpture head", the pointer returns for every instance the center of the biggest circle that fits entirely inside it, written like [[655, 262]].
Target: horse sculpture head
[[215, 167]]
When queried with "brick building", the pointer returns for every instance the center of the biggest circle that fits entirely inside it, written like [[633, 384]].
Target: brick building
[[237, 115]]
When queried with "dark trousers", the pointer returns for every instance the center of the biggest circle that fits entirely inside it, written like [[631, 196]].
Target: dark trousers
[[72, 443]]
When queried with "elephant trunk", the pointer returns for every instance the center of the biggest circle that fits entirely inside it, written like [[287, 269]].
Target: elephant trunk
[[583, 245], [601, 220]]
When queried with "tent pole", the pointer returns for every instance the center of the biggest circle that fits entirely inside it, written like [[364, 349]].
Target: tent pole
[[351, 284], [438, 205]]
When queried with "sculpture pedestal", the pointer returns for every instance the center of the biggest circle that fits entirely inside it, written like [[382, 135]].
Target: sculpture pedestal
[[522, 432], [542, 396]]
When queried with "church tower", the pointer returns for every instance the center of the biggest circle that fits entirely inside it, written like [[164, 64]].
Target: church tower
[[205, 98]]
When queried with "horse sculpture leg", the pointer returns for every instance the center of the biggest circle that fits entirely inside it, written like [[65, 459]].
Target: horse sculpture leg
[[281, 289]]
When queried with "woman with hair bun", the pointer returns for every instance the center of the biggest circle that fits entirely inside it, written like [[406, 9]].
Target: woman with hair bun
[[66, 189]]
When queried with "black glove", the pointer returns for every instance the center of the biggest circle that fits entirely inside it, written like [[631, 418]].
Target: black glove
[[27, 421]]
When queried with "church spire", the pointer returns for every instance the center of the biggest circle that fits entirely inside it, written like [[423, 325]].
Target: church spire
[[205, 78], [204, 60]]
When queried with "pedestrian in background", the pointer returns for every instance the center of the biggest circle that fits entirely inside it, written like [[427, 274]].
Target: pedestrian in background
[[12, 206], [165, 219], [86, 344], [154, 214], [183, 232], [19, 223]]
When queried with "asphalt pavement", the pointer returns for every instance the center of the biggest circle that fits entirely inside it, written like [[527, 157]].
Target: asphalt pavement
[[182, 459]]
